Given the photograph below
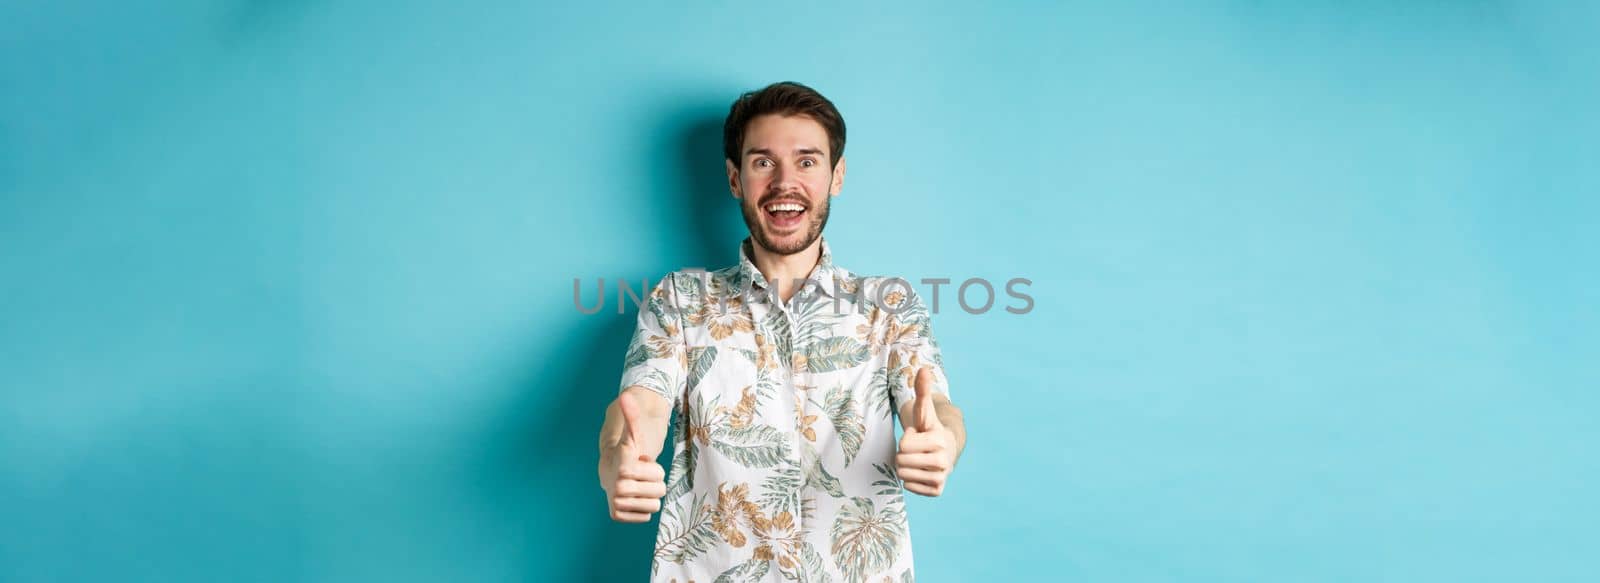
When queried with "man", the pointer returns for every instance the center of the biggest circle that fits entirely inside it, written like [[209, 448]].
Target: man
[[785, 371]]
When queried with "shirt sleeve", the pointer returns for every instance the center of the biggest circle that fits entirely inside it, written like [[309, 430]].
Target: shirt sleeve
[[656, 359], [912, 347]]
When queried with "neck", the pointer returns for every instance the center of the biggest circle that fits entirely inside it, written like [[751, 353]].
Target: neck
[[785, 271]]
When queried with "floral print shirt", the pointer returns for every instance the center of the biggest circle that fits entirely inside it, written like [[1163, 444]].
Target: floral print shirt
[[783, 422]]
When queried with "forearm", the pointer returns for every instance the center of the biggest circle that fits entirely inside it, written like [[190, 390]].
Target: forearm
[[611, 430], [950, 415]]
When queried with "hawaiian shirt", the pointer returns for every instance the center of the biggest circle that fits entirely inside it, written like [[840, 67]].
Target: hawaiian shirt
[[783, 421]]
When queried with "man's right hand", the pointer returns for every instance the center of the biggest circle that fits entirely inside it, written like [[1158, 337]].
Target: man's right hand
[[633, 481]]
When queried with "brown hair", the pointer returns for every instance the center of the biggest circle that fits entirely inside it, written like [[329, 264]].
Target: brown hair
[[782, 98]]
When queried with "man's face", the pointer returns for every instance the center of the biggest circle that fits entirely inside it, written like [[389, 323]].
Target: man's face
[[784, 181]]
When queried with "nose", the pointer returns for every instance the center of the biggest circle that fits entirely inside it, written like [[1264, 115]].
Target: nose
[[784, 179]]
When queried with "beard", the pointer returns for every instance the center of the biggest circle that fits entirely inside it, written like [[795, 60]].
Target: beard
[[816, 221]]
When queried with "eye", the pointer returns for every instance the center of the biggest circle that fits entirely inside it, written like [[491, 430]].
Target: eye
[[763, 163], [808, 162]]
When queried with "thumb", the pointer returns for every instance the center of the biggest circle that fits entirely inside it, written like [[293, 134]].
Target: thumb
[[922, 407], [630, 423]]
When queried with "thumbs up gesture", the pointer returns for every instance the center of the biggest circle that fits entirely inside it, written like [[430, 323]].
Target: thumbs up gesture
[[633, 481], [928, 449]]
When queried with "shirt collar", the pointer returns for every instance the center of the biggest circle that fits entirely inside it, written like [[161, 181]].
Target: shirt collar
[[823, 275]]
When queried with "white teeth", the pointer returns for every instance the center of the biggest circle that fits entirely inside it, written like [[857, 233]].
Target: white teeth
[[785, 206]]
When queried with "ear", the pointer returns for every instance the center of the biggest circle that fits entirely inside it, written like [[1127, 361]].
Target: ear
[[838, 178], [733, 178]]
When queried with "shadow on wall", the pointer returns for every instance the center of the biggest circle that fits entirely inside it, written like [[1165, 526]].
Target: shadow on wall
[[704, 210], [546, 453]]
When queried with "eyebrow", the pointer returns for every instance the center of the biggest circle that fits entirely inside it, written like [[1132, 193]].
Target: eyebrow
[[766, 152]]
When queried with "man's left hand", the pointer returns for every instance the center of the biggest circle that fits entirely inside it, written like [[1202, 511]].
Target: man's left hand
[[928, 449]]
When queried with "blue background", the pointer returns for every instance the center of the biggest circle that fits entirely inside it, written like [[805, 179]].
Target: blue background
[[287, 286]]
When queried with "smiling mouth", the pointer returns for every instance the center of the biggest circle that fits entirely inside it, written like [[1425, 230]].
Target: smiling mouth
[[785, 214]]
